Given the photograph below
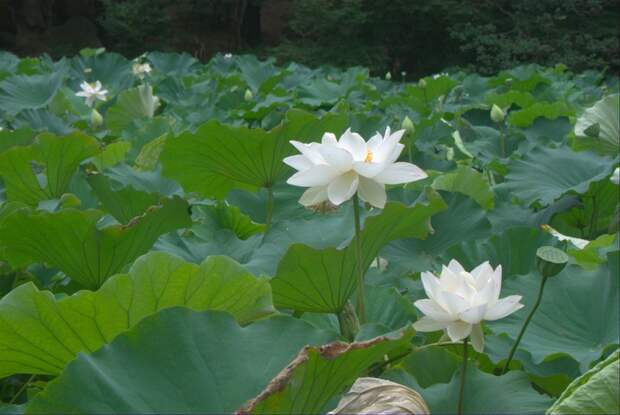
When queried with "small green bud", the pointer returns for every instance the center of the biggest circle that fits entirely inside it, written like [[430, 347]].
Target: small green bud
[[422, 83], [408, 125], [248, 95], [96, 120], [550, 261], [497, 114], [388, 76]]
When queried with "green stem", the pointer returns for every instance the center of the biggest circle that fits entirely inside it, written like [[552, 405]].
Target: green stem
[[21, 390], [525, 324], [361, 312], [269, 208], [459, 409], [502, 140]]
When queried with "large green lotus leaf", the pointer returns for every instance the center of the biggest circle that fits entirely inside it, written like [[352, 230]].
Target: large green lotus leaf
[[59, 158], [550, 110], [316, 375], [123, 203], [606, 114], [484, 393], [468, 181], [574, 317], [431, 366], [41, 334], [20, 137], [255, 72], [21, 92], [225, 216], [132, 104], [173, 64], [179, 361], [71, 240], [595, 392], [321, 280], [545, 174], [515, 249], [218, 157]]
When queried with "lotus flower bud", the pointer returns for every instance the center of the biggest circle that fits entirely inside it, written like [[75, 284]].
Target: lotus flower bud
[[497, 115], [379, 396], [388, 76], [349, 324], [422, 83], [248, 95], [96, 120], [408, 125], [550, 261]]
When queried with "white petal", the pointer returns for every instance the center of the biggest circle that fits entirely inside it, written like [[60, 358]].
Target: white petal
[[97, 86], [473, 315], [455, 266], [374, 143], [354, 144], [342, 188], [372, 192], [298, 162], [309, 150], [483, 271], [385, 150], [433, 310], [477, 338], [314, 196], [400, 172], [369, 170], [458, 330], [428, 324], [391, 158], [336, 157], [319, 175], [497, 283], [503, 307], [452, 302], [82, 94], [329, 139]]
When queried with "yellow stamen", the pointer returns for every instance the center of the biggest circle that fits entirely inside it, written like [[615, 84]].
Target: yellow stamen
[[368, 158]]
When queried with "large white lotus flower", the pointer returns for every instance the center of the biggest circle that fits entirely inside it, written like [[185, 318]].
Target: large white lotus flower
[[458, 301], [92, 92], [615, 177], [335, 169]]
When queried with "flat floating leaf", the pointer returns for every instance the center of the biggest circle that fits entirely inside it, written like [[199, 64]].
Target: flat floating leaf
[[41, 334], [321, 281], [179, 361], [71, 240], [319, 373]]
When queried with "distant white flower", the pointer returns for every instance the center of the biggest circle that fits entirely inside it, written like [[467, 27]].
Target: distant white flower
[[141, 69], [92, 92], [88, 70], [577, 242], [228, 55], [380, 263], [458, 301], [335, 170], [615, 177]]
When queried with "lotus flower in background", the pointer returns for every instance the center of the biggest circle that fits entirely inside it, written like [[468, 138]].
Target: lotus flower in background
[[92, 92], [141, 69], [458, 301], [335, 170], [615, 176]]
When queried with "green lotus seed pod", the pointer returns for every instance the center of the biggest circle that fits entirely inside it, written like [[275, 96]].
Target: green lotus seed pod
[[550, 261], [497, 115]]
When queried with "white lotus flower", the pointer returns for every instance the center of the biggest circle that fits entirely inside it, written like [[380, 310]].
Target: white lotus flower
[[335, 169], [458, 301], [92, 92], [141, 69], [228, 55], [615, 177]]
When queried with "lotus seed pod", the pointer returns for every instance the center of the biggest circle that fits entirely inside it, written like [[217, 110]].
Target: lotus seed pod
[[408, 125], [550, 261], [497, 115], [248, 95], [379, 396], [96, 120]]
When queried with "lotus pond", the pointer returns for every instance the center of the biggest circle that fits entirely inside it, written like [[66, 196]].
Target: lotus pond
[[238, 236]]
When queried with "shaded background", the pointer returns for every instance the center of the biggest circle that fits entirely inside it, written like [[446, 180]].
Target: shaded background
[[419, 37]]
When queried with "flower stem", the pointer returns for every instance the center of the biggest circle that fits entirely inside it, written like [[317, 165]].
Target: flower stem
[[21, 390], [525, 324], [361, 310], [269, 208], [459, 409]]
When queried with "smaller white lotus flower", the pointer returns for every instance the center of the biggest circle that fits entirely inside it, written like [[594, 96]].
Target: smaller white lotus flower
[[228, 55], [615, 177], [335, 170], [141, 69], [92, 92], [458, 301]]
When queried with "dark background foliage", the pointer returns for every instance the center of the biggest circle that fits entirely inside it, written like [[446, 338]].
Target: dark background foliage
[[419, 37]]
